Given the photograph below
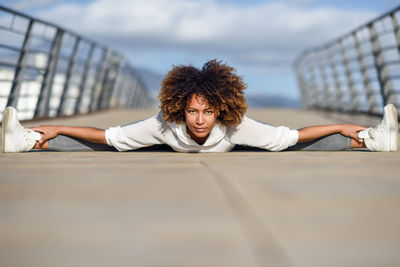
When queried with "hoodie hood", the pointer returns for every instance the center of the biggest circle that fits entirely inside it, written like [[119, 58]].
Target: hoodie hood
[[217, 134]]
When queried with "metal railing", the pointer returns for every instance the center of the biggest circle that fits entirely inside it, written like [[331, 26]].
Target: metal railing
[[48, 71], [358, 72]]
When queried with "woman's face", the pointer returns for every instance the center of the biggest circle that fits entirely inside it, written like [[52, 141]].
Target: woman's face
[[200, 118]]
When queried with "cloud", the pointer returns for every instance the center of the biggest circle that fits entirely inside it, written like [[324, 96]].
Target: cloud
[[301, 2], [263, 37], [27, 4]]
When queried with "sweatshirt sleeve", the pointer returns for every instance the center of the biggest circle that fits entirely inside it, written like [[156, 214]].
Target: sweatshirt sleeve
[[135, 135], [257, 134]]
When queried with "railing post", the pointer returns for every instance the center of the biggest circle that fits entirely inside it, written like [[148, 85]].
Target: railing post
[[315, 94], [396, 30], [84, 78], [369, 93], [135, 88], [20, 67], [121, 85], [98, 85], [325, 85], [70, 70], [113, 82], [42, 107], [385, 84], [105, 85], [128, 88], [340, 97], [355, 103], [131, 92]]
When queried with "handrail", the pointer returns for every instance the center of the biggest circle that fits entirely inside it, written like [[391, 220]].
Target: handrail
[[357, 72], [48, 71]]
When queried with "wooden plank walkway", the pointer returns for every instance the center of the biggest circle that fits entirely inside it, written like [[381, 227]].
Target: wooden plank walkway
[[164, 208]]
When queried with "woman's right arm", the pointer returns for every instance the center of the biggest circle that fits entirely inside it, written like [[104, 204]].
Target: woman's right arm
[[128, 137], [90, 134]]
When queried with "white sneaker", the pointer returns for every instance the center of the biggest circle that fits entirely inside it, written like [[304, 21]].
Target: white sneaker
[[384, 137], [16, 138]]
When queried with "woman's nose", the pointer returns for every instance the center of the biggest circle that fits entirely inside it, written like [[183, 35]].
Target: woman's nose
[[199, 119]]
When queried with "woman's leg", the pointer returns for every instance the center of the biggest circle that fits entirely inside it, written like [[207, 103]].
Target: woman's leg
[[16, 138], [383, 137], [67, 143], [333, 142]]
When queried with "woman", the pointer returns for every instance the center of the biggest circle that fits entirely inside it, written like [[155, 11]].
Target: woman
[[201, 111]]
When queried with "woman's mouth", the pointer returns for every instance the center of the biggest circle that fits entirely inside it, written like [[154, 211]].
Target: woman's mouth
[[200, 130]]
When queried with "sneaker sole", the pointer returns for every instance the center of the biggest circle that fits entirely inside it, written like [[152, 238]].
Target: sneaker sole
[[394, 127], [8, 113]]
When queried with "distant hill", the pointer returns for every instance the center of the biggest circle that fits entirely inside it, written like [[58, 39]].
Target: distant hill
[[265, 101], [153, 80]]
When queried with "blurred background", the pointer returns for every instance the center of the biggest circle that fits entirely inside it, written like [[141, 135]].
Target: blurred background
[[245, 208], [260, 38]]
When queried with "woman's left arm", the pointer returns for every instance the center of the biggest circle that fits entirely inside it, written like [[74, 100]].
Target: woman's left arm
[[313, 132]]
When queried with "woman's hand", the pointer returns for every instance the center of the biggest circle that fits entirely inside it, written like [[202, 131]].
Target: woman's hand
[[352, 130], [47, 132]]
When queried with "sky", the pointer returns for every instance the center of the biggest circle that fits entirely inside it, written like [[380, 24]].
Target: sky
[[260, 38]]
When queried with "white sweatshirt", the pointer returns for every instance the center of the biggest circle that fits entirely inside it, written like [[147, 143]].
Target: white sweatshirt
[[156, 130]]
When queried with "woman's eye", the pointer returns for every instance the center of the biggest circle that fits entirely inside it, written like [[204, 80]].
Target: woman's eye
[[209, 112], [192, 111]]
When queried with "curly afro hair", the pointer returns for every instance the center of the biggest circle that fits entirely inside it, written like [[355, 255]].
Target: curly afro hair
[[216, 82]]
